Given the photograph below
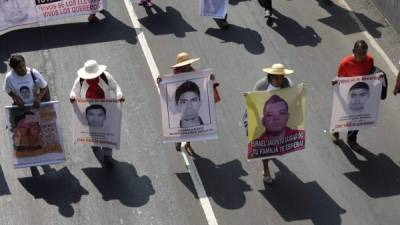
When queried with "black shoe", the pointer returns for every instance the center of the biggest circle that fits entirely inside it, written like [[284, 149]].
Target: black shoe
[[270, 21], [178, 146], [108, 160], [335, 137]]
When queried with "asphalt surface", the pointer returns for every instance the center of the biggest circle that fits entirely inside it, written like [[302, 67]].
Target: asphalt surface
[[326, 184]]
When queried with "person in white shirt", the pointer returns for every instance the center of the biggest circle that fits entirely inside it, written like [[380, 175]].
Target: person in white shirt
[[23, 84]]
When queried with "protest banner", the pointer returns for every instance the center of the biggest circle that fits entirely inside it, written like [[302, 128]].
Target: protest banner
[[356, 102], [20, 12], [35, 135], [187, 107], [97, 122], [276, 121], [213, 8]]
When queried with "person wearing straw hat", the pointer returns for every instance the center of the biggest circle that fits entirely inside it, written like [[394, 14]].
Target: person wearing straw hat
[[183, 65], [94, 82], [275, 79]]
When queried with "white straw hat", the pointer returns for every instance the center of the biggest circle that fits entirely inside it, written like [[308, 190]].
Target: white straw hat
[[183, 59], [91, 69], [277, 69]]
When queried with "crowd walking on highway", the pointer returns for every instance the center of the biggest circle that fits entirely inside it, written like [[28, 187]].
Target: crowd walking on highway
[[26, 86]]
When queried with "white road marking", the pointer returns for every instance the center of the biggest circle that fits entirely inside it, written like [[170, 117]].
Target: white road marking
[[371, 40], [194, 174]]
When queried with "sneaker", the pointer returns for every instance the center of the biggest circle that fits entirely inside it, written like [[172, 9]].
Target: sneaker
[[335, 137], [355, 146], [268, 13], [267, 179], [93, 18], [189, 149]]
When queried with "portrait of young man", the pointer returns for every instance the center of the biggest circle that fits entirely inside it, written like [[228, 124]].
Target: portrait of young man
[[26, 133], [188, 103], [95, 116], [275, 118], [358, 95]]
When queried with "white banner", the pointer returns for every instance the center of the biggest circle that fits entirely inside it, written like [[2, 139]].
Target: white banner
[[20, 12], [214, 8], [35, 135], [187, 107], [356, 102], [97, 122]]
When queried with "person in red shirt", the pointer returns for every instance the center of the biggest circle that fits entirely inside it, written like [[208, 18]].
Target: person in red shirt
[[359, 63]]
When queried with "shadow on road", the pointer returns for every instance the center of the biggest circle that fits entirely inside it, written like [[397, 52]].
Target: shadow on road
[[57, 36], [221, 182], [121, 182], [295, 200], [170, 21], [294, 33], [340, 19], [60, 188], [378, 175], [4, 190], [249, 38]]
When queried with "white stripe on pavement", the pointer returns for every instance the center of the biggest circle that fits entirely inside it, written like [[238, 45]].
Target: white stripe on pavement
[[198, 184], [371, 40]]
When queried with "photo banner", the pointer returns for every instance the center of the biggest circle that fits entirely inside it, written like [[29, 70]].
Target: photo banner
[[187, 107], [276, 122], [97, 122], [20, 12], [35, 135], [213, 8], [356, 102]]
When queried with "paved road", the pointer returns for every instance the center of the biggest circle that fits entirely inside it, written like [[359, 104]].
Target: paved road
[[150, 184]]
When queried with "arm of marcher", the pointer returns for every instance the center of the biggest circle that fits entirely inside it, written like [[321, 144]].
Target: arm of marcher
[[114, 85], [76, 89], [17, 100]]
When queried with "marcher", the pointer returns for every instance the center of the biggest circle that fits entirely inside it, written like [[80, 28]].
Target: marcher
[[397, 86], [16, 81], [20, 78], [94, 82], [274, 80], [360, 63], [183, 65]]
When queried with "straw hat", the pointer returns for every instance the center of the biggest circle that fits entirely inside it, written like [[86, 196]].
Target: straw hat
[[183, 59], [278, 69], [91, 69]]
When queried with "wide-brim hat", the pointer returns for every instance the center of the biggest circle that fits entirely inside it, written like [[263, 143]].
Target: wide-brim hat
[[277, 69], [183, 59], [91, 69]]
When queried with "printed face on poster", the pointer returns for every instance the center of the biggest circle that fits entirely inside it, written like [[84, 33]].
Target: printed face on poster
[[97, 122], [276, 122], [356, 103], [188, 107], [20, 12], [213, 8], [35, 135]]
